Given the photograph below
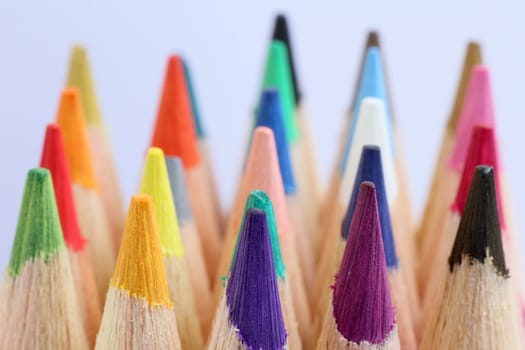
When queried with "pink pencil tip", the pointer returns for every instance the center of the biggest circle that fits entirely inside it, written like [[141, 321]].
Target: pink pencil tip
[[477, 109]]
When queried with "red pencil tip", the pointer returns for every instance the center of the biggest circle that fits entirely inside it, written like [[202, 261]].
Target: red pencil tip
[[481, 151], [54, 159], [174, 130]]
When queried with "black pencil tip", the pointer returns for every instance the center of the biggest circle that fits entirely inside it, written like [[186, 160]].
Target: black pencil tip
[[282, 33], [479, 232]]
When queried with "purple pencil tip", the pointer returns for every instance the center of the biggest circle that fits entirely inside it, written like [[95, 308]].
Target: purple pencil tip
[[251, 293], [361, 299]]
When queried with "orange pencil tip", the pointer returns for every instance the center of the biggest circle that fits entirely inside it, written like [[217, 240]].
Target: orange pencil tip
[[71, 121]]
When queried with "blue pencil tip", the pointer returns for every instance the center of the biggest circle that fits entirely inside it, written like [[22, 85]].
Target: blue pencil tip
[[252, 294], [270, 114], [193, 98], [372, 84], [371, 169]]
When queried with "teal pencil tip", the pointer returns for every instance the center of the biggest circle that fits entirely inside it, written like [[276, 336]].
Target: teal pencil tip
[[277, 75], [372, 84], [199, 127], [259, 200], [38, 233]]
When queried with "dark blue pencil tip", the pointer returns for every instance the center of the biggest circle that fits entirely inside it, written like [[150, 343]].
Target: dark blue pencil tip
[[193, 97], [252, 295], [371, 169], [270, 114]]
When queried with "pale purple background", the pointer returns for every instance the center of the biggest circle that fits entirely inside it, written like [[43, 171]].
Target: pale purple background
[[225, 42]]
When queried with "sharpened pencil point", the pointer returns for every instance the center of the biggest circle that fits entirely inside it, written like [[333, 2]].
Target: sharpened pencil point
[[362, 283], [174, 129], [155, 183], [479, 233], [270, 114], [79, 76], [54, 159], [38, 233], [141, 243], [477, 109], [372, 39], [282, 33], [194, 103], [70, 118], [277, 76], [251, 293], [481, 151], [371, 169]]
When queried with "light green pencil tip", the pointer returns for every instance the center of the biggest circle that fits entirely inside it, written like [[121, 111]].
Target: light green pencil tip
[[259, 199], [38, 233], [277, 75], [79, 76]]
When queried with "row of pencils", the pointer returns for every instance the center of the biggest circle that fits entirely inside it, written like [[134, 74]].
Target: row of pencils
[[289, 266]]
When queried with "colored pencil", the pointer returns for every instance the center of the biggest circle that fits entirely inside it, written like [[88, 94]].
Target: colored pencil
[[262, 173], [435, 198], [79, 76], [482, 150], [138, 312], [175, 134], [191, 240], [39, 307], [477, 110], [202, 137], [54, 159], [360, 315], [259, 200], [90, 209], [476, 309], [371, 170], [270, 115], [306, 167], [155, 183], [249, 314]]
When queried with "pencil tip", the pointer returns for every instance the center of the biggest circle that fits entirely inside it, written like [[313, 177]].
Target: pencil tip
[[479, 234], [71, 121], [263, 155], [251, 293], [362, 282], [481, 151], [54, 159], [277, 75], [38, 232], [473, 57], [371, 169], [174, 129], [140, 243], [282, 33], [372, 39], [195, 111], [477, 110], [178, 189], [371, 129], [79, 76], [155, 183], [259, 200], [270, 115]]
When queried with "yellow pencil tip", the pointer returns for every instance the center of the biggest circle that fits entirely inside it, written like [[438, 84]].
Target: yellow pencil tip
[[79, 76], [140, 268], [71, 122], [155, 182]]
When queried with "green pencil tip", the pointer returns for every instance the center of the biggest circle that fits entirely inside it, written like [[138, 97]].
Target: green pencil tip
[[259, 200], [277, 75], [38, 233]]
